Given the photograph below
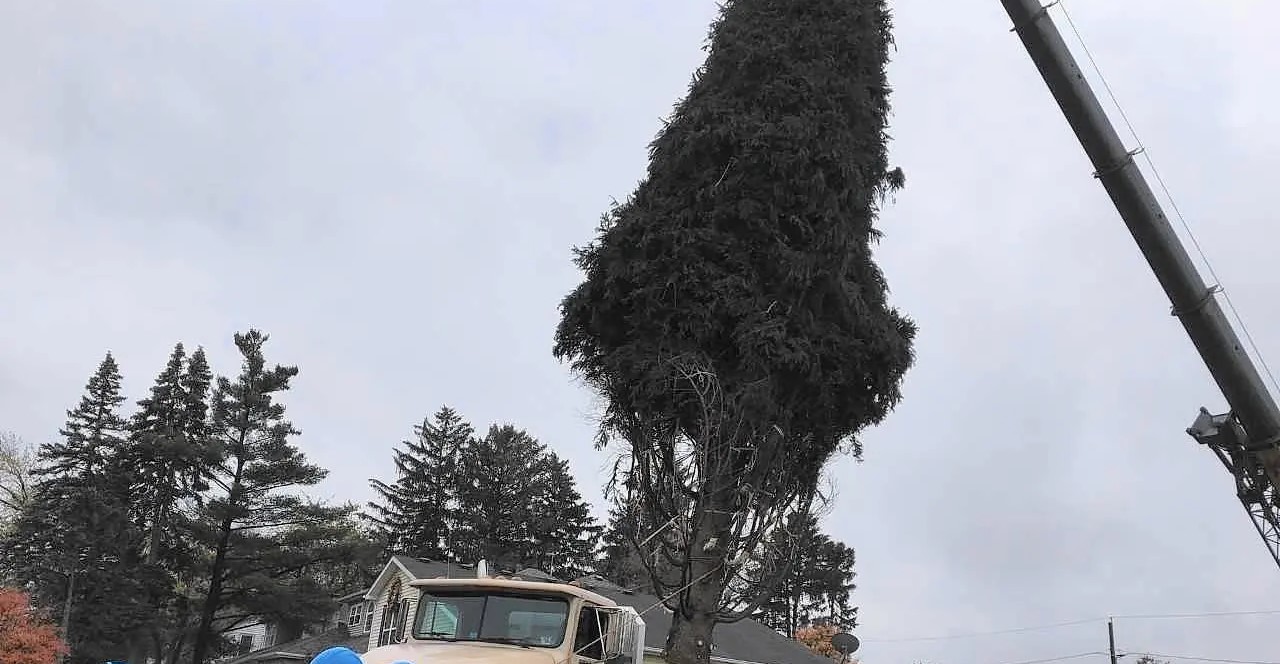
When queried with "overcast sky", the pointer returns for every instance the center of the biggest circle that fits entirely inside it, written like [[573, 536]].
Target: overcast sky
[[391, 191]]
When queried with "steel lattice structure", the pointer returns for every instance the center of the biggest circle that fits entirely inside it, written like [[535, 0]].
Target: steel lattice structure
[[1261, 499]]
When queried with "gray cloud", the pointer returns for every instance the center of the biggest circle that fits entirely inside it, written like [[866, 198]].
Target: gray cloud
[[391, 190]]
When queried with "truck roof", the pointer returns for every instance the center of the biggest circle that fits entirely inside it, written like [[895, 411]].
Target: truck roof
[[514, 584]]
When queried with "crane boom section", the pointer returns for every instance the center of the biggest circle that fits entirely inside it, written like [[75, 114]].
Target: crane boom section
[[1194, 302]]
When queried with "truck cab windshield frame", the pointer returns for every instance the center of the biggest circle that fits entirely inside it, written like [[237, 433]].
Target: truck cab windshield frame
[[531, 620]]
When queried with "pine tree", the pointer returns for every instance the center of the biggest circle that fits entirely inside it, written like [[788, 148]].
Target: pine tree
[[170, 454], [496, 490], [562, 529], [731, 313], [168, 449], [816, 588], [833, 584], [414, 514], [93, 436], [75, 545], [620, 558], [264, 537]]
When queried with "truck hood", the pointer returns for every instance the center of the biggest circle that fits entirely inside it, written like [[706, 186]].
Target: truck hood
[[459, 653]]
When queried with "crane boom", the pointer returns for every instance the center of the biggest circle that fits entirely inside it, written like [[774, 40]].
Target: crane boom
[[1246, 439]]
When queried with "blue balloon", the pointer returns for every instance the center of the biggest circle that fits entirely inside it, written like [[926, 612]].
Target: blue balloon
[[337, 655]]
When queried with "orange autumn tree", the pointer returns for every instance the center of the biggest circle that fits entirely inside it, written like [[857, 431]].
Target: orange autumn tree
[[817, 638], [25, 638]]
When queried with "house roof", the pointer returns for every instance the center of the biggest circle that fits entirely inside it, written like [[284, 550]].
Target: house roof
[[417, 568], [305, 648], [533, 574], [742, 641], [430, 569]]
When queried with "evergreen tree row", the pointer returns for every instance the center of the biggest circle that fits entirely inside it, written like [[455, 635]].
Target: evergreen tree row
[[502, 497], [152, 534]]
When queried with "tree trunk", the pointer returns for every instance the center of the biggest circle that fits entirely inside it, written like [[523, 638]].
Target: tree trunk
[[204, 634], [689, 641], [66, 613], [144, 641]]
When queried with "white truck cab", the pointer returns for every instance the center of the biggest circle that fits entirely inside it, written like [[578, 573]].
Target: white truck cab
[[507, 621]]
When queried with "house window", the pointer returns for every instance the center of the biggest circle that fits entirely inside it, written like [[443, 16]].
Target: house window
[[368, 617], [402, 620], [390, 623], [245, 646], [356, 616]]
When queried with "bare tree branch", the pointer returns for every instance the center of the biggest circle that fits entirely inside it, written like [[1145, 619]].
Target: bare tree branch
[[17, 460]]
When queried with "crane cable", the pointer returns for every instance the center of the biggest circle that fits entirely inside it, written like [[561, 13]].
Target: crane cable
[[1235, 313]]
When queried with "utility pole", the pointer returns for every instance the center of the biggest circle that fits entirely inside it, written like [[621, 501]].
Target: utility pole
[[1111, 638], [1250, 448]]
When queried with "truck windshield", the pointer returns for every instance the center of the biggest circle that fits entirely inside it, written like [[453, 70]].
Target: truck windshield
[[495, 617]]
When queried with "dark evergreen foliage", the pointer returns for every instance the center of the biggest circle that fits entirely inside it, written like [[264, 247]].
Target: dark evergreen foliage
[[170, 455], [93, 436], [816, 589], [503, 497], [496, 492], [620, 560], [732, 314], [563, 532], [413, 515], [265, 538], [75, 546]]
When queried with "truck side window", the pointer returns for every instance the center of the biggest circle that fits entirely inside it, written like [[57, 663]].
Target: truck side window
[[588, 642]]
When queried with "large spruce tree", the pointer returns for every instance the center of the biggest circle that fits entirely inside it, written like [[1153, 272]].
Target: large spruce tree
[[563, 532], [170, 454], [620, 560], [170, 451], [74, 544], [816, 588], [266, 538], [519, 506], [732, 315], [414, 513], [496, 490]]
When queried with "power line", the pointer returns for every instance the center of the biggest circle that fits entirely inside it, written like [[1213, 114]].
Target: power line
[[1015, 630], [1073, 623], [1206, 659], [1152, 616], [1084, 654]]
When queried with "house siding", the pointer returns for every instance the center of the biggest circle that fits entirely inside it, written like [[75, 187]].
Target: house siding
[[257, 632], [343, 616], [380, 603]]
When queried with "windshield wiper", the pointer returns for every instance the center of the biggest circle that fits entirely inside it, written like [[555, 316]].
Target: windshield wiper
[[505, 639]]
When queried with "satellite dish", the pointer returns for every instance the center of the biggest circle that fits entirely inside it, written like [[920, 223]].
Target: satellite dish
[[845, 643]]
